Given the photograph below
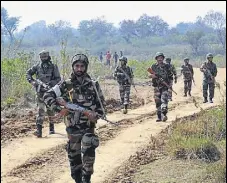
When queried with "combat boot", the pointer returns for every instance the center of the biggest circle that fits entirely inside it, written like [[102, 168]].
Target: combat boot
[[189, 93], [86, 179], [125, 110], [211, 101], [159, 115], [51, 128], [77, 176], [38, 132], [164, 117], [185, 94], [205, 100]]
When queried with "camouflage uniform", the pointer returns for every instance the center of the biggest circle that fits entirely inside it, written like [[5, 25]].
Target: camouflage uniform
[[82, 140], [188, 73], [208, 80], [124, 76], [160, 90], [173, 73], [48, 73]]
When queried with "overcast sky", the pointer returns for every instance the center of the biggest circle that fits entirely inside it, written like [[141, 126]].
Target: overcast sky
[[114, 11]]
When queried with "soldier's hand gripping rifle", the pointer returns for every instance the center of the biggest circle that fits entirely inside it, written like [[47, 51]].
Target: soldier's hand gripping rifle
[[207, 72], [70, 107], [160, 79], [41, 84]]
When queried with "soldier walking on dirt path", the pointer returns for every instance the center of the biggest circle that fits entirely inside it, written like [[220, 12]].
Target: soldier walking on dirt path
[[80, 89], [124, 76], [162, 73], [209, 70], [188, 74], [48, 73], [173, 73]]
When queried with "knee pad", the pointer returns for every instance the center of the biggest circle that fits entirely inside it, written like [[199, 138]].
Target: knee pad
[[164, 109], [89, 140]]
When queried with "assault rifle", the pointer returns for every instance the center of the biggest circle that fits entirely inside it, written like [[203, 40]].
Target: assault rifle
[[40, 83], [70, 107], [207, 72], [160, 79]]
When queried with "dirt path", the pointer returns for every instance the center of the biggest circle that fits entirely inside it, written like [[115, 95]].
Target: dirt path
[[113, 153]]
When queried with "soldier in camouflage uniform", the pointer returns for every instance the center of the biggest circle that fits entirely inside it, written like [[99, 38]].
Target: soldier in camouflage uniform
[[48, 73], [124, 76], [209, 70], [82, 140], [162, 73], [188, 73], [173, 73]]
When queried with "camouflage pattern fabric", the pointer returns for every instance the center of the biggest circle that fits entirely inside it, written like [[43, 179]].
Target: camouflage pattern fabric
[[169, 90], [208, 82], [124, 82], [173, 73], [161, 91], [187, 86], [82, 140], [41, 111], [188, 73], [48, 73]]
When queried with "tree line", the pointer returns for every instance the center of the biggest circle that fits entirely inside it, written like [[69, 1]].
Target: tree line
[[97, 34]]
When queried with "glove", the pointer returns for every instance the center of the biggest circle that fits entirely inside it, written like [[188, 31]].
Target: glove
[[152, 76], [175, 80], [92, 116], [33, 83]]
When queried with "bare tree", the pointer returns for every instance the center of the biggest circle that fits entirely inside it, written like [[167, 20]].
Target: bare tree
[[194, 39], [8, 24], [217, 21]]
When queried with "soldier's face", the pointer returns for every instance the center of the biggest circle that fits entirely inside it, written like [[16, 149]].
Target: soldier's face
[[160, 59], [43, 58], [122, 63], [186, 61], [79, 68], [210, 59]]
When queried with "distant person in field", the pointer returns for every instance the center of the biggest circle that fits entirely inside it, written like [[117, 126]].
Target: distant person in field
[[115, 56], [108, 57], [101, 57]]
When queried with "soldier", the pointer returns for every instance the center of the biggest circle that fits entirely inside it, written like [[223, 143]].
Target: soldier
[[173, 72], [124, 76], [80, 89], [209, 70], [48, 73], [162, 73], [115, 56], [188, 73]]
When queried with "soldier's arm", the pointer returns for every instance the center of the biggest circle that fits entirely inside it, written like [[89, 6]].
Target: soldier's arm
[[192, 71], [215, 70], [30, 72], [169, 73], [202, 68], [99, 109], [56, 76], [51, 95]]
